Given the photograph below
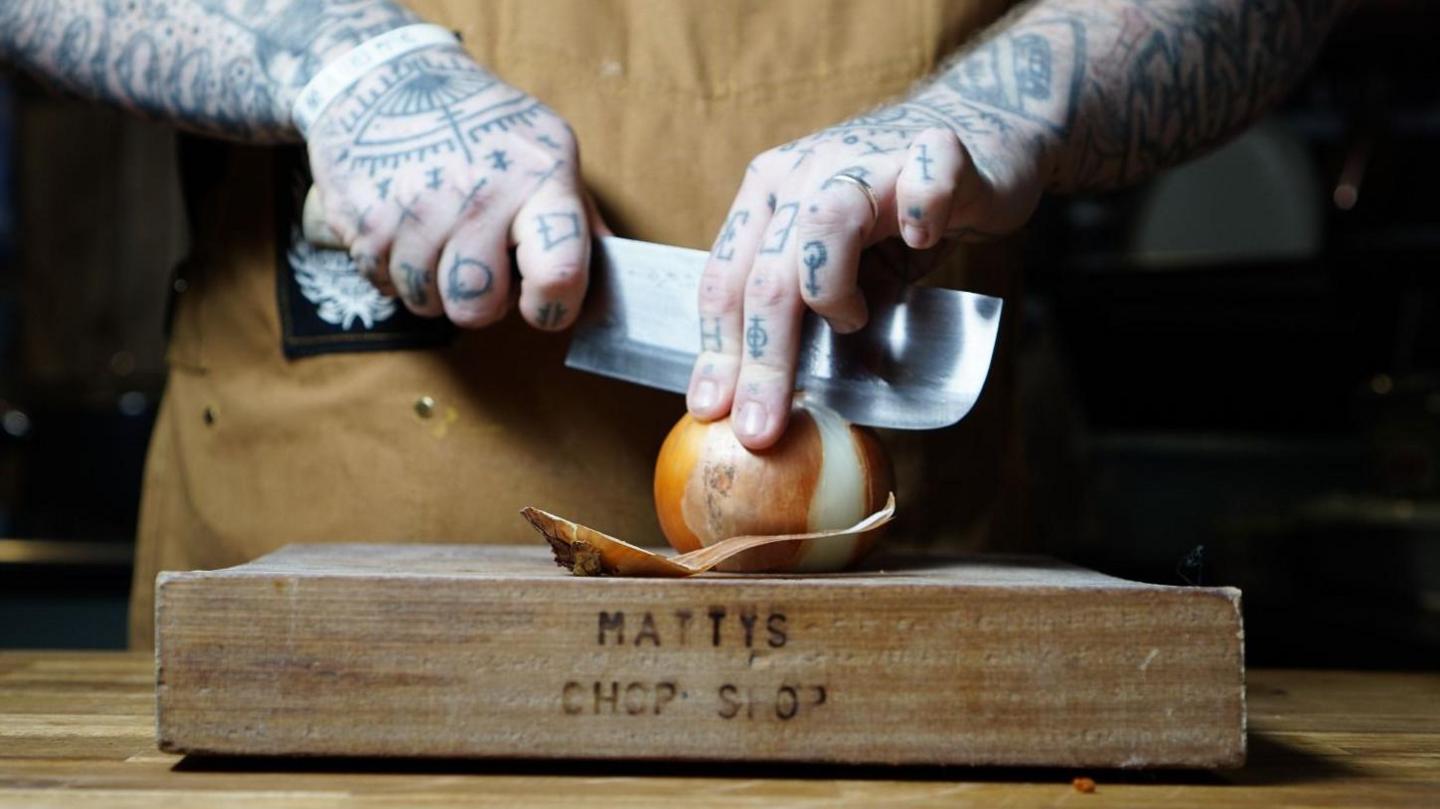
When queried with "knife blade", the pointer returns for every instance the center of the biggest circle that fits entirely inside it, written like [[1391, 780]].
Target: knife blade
[[919, 364]]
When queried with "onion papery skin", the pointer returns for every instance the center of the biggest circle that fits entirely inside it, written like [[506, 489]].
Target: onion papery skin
[[823, 474]]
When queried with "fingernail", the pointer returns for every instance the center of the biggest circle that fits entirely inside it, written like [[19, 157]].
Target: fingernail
[[705, 395], [914, 234], [752, 418]]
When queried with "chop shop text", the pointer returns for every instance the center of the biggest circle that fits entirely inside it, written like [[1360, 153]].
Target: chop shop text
[[746, 629]]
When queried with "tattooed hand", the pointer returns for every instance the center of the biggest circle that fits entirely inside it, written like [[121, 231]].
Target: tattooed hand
[[430, 168], [1068, 94], [940, 168]]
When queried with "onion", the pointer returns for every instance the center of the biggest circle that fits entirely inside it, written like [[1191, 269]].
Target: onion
[[824, 474]]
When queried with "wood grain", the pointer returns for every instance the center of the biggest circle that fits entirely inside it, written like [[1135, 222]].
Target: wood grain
[[493, 651], [76, 730]]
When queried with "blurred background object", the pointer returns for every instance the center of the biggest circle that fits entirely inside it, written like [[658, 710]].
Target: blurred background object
[[91, 225], [1230, 375]]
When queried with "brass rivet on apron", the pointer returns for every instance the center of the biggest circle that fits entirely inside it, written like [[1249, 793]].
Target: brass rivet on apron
[[424, 407], [209, 415]]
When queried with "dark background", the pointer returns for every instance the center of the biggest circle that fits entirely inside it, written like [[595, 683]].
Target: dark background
[[1230, 375]]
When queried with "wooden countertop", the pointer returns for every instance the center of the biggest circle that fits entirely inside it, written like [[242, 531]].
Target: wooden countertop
[[77, 729]]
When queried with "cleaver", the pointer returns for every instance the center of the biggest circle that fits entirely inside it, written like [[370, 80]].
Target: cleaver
[[919, 364]]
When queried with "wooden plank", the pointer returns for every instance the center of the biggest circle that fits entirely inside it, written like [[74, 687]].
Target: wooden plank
[[118, 766], [492, 651]]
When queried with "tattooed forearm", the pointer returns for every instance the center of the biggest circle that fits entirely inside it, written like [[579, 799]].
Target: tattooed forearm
[[1175, 79], [1110, 91], [225, 67]]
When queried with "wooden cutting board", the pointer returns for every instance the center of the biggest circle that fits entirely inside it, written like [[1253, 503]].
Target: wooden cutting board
[[454, 650]]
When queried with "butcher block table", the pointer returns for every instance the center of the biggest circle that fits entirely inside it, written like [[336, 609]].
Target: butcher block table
[[78, 729]]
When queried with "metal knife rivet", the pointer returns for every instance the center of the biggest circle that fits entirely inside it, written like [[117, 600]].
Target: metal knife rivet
[[425, 407]]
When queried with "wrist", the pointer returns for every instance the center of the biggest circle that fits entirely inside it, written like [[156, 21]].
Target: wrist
[[1002, 144], [342, 73], [319, 37]]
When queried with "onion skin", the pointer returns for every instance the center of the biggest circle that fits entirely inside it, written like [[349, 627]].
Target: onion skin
[[709, 487]]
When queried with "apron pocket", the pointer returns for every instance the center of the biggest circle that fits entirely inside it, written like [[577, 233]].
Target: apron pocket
[[326, 305]]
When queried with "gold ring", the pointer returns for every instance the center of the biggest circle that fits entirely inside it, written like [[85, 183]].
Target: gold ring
[[869, 192]]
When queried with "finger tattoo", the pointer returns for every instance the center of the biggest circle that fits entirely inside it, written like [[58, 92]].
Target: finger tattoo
[[725, 245], [407, 210], [558, 228], [455, 286], [786, 214], [469, 198], [551, 314], [814, 255], [756, 337], [710, 334], [413, 281]]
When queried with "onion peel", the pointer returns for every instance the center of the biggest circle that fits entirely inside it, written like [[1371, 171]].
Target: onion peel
[[586, 552]]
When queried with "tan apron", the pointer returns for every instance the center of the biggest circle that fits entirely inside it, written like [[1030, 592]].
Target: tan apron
[[670, 99]]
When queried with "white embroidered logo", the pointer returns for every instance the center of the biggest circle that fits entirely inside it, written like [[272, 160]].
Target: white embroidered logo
[[329, 279]]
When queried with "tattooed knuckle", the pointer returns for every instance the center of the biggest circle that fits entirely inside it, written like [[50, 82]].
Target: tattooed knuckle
[[558, 228], [475, 193], [724, 248], [943, 137], [560, 278], [940, 198], [415, 283], [369, 267], [375, 244], [569, 147], [412, 210], [768, 292], [717, 295], [824, 301], [827, 217], [550, 316], [417, 303], [828, 299], [474, 315], [464, 318], [342, 227], [915, 191]]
